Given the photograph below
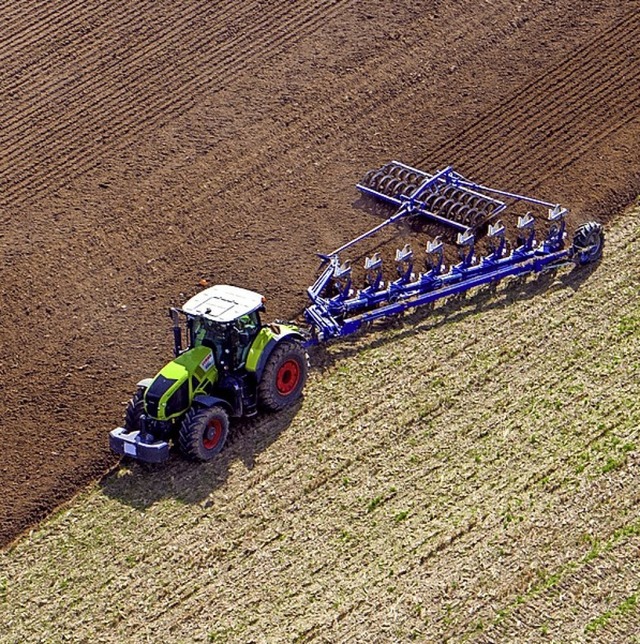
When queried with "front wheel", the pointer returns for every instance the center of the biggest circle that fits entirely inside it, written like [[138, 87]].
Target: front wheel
[[284, 376], [135, 409], [203, 433]]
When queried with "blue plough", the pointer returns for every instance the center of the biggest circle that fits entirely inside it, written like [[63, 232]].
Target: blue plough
[[450, 200]]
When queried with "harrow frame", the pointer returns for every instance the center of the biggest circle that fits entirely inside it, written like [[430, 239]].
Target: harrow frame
[[337, 310]]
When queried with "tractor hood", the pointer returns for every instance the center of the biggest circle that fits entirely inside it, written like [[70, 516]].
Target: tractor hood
[[170, 392]]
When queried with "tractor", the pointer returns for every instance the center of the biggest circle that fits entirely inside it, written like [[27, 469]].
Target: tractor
[[232, 365]]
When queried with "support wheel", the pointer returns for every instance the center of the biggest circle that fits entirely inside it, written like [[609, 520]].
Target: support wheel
[[135, 409], [284, 376], [588, 243], [203, 432]]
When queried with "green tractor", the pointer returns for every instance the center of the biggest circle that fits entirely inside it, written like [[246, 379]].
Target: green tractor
[[232, 366]]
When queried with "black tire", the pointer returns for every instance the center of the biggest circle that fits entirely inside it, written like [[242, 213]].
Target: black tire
[[135, 409], [203, 432], [284, 376], [588, 243]]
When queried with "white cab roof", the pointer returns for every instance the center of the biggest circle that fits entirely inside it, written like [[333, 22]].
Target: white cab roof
[[223, 303]]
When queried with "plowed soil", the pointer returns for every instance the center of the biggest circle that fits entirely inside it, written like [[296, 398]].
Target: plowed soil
[[146, 146]]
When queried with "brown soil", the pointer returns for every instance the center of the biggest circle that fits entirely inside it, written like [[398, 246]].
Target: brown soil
[[146, 146]]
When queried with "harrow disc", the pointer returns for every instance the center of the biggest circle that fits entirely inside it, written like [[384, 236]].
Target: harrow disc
[[449, 192], [470, 216], [391, 186], [412, 177], [384, 183], [429, 199], [410, 189], [478, 219], [455, 210], [400, 188], [438, 203], [461, 215], [470, 200], [371, 178], [446, 207]]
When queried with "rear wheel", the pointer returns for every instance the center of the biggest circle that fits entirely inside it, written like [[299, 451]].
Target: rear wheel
[[588, 243], [284, 376], [203, 432], [135, 409]]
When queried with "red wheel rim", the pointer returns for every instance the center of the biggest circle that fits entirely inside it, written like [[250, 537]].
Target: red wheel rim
[[212, 434], [288, 377]]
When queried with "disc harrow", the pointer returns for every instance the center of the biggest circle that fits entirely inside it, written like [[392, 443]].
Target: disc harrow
[[446, 197], [338, 308]]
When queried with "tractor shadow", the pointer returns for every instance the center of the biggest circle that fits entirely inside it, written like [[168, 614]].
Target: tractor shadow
[[141, 485], [455, 309]]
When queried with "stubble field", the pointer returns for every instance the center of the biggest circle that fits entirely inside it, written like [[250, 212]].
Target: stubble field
[[466, 476]]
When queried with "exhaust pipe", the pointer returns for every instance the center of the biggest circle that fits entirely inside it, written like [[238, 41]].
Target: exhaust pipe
[[177, 331]]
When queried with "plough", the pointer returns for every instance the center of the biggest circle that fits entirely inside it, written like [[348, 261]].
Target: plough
[[447, 198], [233, 364]]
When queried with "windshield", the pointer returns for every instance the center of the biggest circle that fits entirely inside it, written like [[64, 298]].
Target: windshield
[[210, 334], [207, 333]]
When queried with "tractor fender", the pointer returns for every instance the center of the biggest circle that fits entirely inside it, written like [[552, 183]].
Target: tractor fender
[[144, 383], [211, 401], [268, 339]]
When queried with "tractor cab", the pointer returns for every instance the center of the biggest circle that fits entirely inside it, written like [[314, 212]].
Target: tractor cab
[[225, 319]]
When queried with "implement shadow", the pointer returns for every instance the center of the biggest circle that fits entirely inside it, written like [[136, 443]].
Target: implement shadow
[[140, 485], [457, 308]]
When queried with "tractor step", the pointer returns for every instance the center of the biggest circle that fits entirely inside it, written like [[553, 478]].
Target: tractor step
[[136, 445]]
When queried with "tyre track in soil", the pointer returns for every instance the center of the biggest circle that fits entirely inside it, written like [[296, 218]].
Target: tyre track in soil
[[317, 120], [176, 39], [467, 148], [591, 56], [138, 61], [378, 97], [265, 39], [29, 28]]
